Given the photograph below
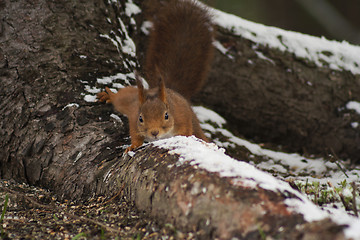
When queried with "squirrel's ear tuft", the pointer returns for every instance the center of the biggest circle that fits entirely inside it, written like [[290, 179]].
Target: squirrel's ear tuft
[[140, 86], [162, 89]]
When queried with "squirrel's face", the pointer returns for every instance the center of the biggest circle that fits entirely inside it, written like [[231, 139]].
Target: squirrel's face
[[154, 120]]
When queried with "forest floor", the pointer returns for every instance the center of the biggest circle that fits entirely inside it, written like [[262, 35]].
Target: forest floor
[[34, 213]]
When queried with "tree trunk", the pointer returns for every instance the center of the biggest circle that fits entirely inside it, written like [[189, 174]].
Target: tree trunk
[[45, 54], [49, 50]]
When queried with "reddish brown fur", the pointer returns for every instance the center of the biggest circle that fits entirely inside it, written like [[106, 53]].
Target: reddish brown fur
[[180, 47], [182, 120], [178, 56]]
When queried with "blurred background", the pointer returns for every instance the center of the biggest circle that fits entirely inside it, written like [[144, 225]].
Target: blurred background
[[334, 19]]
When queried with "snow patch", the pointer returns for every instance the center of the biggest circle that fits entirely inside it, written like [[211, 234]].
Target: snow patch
[[131, 8], [90, 98], [352, 105], [262, 56], [92, 89], [354, 124], [146, 27], [128, 45], [71, 105], [124, 44], [110, 79], [116, 117], [210, 157], [222, 49], [204, 114], [116, 44]]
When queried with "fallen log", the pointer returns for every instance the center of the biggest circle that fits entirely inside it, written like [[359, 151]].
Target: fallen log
[[196, 187]]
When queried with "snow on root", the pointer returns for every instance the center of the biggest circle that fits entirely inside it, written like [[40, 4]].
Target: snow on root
[[211, 158]]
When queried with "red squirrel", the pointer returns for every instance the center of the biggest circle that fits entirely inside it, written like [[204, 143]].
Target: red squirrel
[[177, 62]]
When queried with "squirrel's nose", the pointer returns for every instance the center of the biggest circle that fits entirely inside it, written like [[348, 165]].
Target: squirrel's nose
[[154, 133]]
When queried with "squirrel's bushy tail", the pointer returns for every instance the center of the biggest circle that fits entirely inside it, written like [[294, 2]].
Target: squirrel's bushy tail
[[180, 47]]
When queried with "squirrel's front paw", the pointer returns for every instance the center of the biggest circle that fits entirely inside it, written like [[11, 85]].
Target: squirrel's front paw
[[103, 97], [133, 146], [130, 149]]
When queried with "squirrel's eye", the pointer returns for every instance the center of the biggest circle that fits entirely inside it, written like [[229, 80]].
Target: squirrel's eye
[[141, 119], [166, 116]]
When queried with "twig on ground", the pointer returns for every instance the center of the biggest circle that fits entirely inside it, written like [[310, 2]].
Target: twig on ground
[[116, 195], [335, 159], [342, 198], [354, 199]]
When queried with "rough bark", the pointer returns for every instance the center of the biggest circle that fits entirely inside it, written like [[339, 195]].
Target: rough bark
[[76, 151], [41, 72], [193, 199]]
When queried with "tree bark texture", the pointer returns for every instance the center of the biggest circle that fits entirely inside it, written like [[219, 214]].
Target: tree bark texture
[[76, 151], [41, 67], [194, 199]]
